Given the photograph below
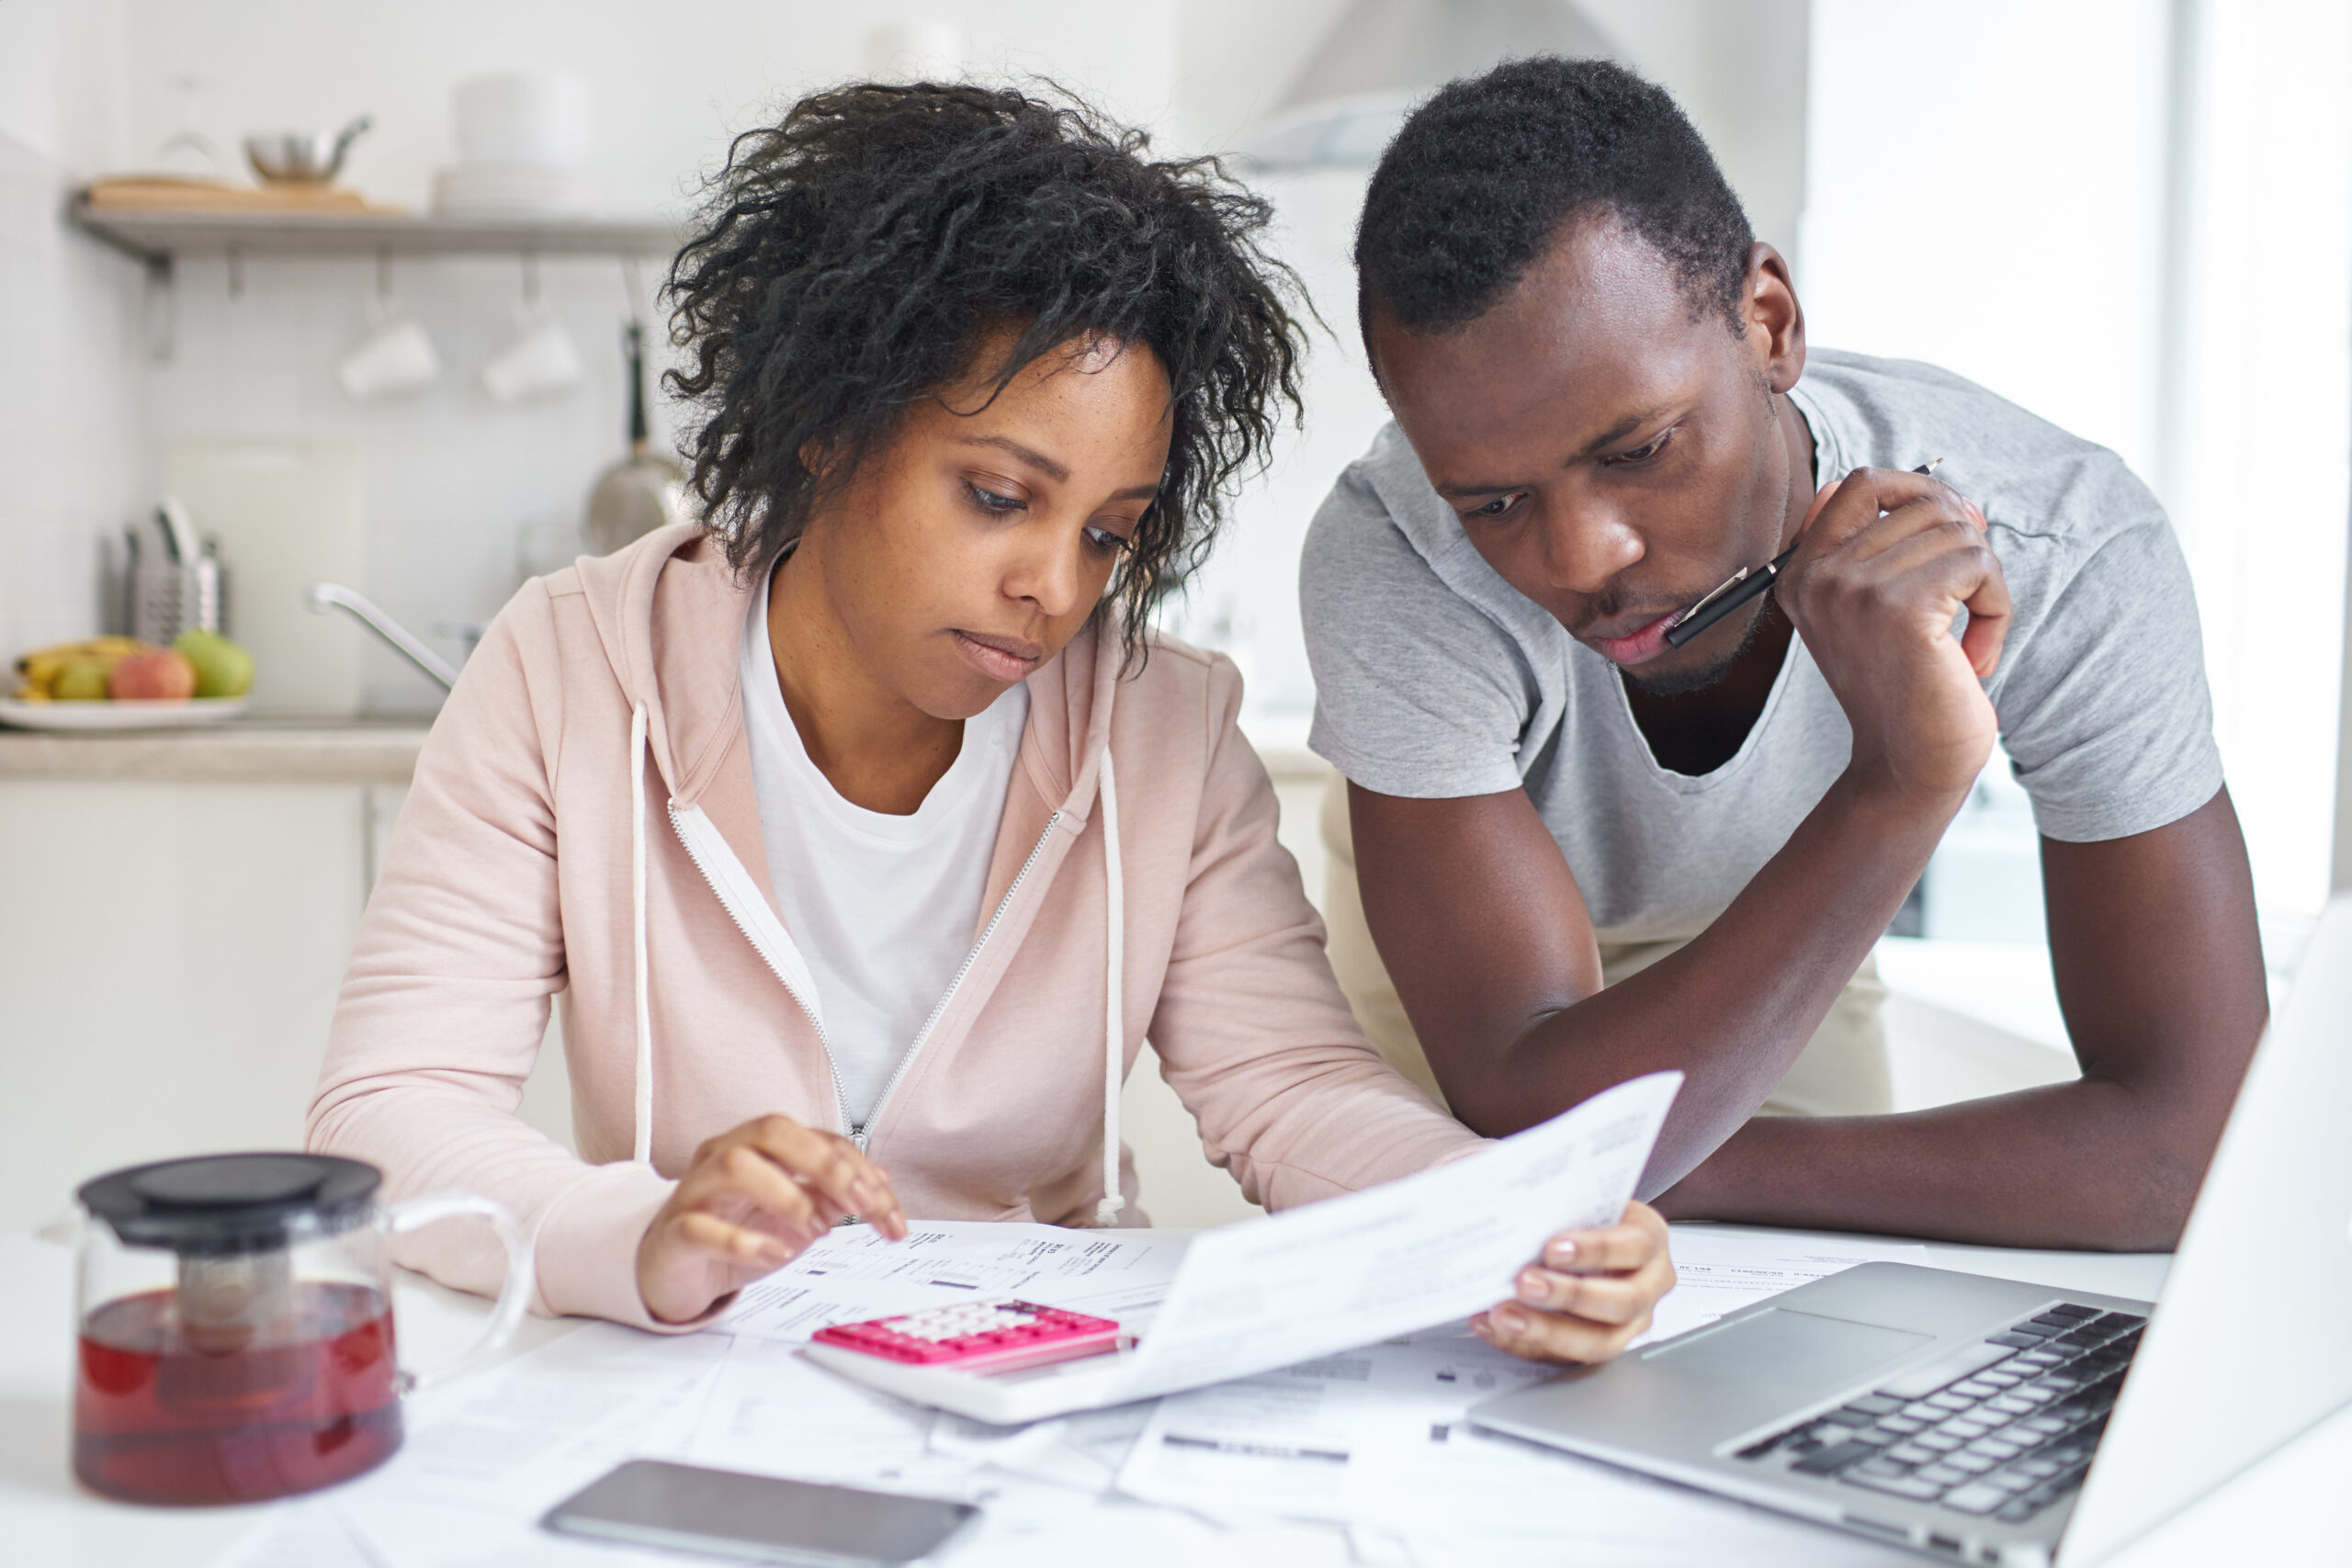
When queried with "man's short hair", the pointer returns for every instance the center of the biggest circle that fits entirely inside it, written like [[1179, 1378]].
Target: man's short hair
[[1485, 175]]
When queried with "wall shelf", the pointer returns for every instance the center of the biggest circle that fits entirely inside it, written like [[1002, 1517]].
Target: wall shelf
[[157, 237]]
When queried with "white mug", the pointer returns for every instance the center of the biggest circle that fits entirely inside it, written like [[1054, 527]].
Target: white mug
[[396, 357], [540, 362], [535, 117]]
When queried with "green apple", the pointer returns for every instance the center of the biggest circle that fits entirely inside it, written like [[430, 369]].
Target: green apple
[[222, 669]]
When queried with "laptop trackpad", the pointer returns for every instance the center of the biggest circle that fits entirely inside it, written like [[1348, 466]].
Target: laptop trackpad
[[1789, 1348]]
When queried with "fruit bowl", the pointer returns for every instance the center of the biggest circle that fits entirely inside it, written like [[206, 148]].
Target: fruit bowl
[[91, 717]]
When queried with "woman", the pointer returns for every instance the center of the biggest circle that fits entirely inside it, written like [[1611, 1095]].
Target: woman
[[866, 825]]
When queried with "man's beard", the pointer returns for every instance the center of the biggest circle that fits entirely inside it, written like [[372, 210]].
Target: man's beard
[[1683, 682]]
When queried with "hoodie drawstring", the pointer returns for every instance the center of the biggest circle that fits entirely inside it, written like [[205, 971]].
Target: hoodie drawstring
[[1115, 1054], [1106, 1211], [643, 1153]]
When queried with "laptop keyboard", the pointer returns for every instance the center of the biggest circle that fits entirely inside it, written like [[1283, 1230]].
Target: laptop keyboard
[[2004, 1428]]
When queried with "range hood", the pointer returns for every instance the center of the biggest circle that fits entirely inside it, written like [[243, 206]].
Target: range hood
[[1383, 56]]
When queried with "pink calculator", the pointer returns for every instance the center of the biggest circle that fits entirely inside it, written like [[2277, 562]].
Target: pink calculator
[[981, 1337]]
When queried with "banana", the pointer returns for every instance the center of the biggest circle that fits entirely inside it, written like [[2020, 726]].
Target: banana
[[38, 670]]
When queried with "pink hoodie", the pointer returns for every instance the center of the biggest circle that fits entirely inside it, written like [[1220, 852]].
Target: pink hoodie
[[583, 823]]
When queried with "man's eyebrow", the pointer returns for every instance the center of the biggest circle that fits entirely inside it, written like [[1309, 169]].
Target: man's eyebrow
[[1610, 437], [1035, 459]]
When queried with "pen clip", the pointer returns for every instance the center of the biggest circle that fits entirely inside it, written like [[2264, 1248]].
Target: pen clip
[[1734, 580]]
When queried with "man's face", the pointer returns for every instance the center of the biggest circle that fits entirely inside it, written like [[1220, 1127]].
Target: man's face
[[1613, 453]]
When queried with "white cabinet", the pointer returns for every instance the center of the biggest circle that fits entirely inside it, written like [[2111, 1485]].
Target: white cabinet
[[169, 953], [176, 913]]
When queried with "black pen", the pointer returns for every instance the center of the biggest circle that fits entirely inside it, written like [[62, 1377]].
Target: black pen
[[1743, 585]]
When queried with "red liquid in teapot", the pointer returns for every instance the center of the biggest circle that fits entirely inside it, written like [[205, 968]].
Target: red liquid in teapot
[[308, 1400]]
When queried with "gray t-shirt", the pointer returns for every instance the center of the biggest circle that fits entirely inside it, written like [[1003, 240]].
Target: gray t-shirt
[[1436, 679]]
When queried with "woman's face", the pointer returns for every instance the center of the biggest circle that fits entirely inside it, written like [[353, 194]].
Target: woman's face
[[971, 547]]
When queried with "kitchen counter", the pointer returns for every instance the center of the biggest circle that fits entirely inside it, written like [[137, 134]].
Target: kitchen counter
[[243, 751], [368, 751]]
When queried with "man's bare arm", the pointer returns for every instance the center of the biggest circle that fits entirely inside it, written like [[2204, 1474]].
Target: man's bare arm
[[2159, 970], [1487, 939]]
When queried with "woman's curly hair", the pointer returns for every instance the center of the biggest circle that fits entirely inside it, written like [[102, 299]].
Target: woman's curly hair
[[850, 258]]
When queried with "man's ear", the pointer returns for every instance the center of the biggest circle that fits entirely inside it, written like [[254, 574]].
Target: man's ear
[[1775, 322]]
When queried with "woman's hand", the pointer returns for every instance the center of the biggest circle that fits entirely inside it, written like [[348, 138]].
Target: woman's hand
[[1591, 1292], [754, 1200]]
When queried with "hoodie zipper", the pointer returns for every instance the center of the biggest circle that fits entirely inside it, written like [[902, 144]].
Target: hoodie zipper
[[956, 984], [856, 1130]]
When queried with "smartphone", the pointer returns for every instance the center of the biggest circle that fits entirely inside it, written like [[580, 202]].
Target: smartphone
[[757, 1519]]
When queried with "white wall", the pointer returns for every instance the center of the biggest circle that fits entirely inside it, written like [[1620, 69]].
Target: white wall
[[69, 312], [1739, 68], [1985, 191], [2263, 474], [1989, 189], [671, 80], [453, 478]]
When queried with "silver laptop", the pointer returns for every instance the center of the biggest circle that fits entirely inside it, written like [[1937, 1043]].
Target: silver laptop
[[1991, 1421]]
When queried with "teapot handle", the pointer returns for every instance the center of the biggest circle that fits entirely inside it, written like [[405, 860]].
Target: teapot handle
[[506, 1313]]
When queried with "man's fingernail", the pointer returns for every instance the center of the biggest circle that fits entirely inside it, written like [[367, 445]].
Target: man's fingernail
[[1532, 1286], [1510, 1320], [1560, 1254]]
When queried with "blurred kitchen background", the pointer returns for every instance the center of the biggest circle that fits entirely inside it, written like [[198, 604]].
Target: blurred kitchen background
[[2133, 216]]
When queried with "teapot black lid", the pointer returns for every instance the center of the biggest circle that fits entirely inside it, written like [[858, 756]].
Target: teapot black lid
[[216, 1203]]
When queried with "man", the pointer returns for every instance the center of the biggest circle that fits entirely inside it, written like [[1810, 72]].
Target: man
[[1604, 408]]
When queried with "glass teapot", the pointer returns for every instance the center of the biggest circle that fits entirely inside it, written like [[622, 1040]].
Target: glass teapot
[[235, 1315]]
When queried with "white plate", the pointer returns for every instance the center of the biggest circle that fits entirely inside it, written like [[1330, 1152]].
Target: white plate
[[109, 715]]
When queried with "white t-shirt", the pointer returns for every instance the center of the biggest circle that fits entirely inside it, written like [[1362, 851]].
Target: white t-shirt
[[883, 908]]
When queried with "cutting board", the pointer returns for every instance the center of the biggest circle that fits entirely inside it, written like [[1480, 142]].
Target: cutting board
[[164, 193], [288, 513]]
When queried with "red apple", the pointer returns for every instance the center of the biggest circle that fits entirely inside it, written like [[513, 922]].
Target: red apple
[[161, 675]]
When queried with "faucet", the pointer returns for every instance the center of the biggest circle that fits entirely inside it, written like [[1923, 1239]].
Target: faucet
[[324, 596]]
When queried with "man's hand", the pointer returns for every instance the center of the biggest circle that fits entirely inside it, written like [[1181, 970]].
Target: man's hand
[[1590, 1293], [754, 1200], [1886, 560]]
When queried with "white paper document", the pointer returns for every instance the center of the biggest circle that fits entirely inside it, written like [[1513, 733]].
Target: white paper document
[[773, 1412], [1379, 1440], [1721, 1268], [487, 1456], [305, 1534], [854, 1273], [1375, 1440], [1424, 1249]]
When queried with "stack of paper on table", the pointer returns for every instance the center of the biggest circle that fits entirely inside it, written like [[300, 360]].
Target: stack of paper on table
[[1378, 1441], [1428, 1248], [487, 1456], [1329, 1448]]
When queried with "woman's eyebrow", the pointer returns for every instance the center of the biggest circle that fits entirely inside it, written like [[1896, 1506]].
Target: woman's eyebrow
[[1051, 468], [1035, 459]]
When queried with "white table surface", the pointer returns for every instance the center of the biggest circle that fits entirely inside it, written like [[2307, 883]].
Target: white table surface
[[2294, 1508]]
